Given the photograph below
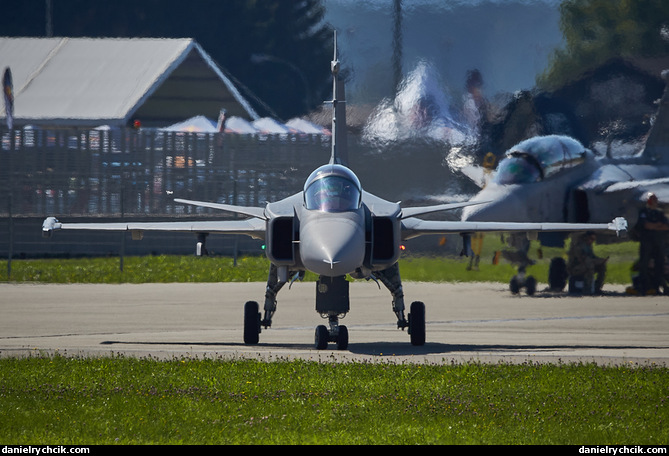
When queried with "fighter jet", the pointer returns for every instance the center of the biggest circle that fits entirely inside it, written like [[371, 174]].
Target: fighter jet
[[557, 179], [335, 229]]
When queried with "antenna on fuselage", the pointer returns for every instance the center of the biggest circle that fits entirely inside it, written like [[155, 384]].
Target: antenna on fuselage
[[339, 147]]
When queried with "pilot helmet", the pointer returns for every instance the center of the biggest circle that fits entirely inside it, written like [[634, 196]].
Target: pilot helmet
[[650, 198]]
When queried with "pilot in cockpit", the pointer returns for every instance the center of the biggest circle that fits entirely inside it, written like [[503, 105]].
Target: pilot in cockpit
[[334, 190], [538, 158]]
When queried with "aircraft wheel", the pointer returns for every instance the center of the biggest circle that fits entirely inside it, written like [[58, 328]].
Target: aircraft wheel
[[514, 285], [251, 323], [321, 337], [417, 323], [557, 274], [530, 285], [342, 338]]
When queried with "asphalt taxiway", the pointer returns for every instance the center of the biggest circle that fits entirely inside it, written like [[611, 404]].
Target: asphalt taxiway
[[465, 322]]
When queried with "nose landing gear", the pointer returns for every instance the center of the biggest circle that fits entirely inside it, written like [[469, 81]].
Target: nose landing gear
[[336, 333]]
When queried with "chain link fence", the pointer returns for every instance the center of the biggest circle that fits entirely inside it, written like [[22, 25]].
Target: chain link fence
[[127, 172]]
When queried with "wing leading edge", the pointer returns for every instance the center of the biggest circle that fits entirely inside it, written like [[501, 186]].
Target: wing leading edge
[[252, 227], [413, 227]]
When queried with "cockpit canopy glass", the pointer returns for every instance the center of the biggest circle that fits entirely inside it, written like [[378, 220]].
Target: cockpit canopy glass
[[538, 158], [517, 170], [332, 188]]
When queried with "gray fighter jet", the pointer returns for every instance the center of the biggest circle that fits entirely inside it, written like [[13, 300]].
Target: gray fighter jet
[[556, 179], [334, 229]]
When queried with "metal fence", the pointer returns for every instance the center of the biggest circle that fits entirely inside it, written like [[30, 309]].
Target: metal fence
[[128, 172]]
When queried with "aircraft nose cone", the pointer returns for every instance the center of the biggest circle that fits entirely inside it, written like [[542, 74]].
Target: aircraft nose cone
[[332, 246]]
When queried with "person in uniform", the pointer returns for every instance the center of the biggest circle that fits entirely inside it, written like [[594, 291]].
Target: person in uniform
[[652, 226], [584, 263]]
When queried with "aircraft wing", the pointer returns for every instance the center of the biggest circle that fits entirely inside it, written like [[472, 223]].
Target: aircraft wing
[[658, 186], [257, 212], [252, 227], [414, 227], [408, 212]]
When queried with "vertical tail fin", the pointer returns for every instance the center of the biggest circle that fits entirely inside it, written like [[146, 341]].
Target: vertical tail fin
[[657, 143], [339, 146]]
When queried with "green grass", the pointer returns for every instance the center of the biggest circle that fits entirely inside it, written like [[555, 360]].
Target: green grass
[[65, 400], [254, 269]]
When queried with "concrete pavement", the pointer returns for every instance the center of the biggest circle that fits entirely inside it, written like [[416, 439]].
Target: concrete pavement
[[465, 322]]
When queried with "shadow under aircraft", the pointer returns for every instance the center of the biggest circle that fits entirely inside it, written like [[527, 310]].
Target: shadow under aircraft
[[336, 230]]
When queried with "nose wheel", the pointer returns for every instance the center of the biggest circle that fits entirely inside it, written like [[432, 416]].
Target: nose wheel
[[336, 333], [521, 281]]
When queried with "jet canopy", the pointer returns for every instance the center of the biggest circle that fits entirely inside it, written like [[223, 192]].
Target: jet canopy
[[332, 188], [538, 158]]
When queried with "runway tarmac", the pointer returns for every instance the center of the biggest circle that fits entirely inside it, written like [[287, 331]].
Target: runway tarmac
[[465, 322]]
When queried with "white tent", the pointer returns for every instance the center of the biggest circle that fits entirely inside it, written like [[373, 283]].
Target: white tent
[[305, 126], [270, 126], [240, 126], [197, 124]]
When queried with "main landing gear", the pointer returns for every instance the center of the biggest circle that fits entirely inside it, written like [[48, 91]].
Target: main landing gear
[[518, 255], [332, 303], [415, 323]]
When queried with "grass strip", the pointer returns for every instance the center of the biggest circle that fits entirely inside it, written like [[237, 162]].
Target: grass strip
[[119, 400], [167, 268]]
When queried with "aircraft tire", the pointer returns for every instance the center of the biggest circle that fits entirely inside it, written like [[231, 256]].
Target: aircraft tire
[[321, 337], [557, 274], [514, 285], [342, 338], [417, 323], [530, 285], [251, 323]]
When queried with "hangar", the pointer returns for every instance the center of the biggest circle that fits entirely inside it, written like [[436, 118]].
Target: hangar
[[87, 82]]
